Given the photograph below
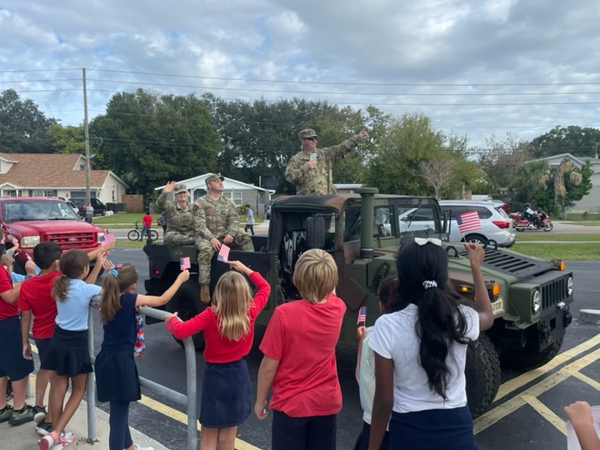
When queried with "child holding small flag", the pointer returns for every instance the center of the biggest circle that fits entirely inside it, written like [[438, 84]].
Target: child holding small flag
[[228, 327], [365, 364], [118, 313], [421, 351]]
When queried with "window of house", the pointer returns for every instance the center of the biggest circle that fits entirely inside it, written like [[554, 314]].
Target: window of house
[[10, 193], [235, 197]]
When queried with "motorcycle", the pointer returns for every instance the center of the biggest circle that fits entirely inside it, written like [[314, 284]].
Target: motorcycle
[[542, 222]]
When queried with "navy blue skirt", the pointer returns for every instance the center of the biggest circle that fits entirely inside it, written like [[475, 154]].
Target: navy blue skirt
[[126, 386], [225, 394], [68, 353], [436, 429]]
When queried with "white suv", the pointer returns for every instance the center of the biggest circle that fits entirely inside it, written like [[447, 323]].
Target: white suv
[[495, 223]]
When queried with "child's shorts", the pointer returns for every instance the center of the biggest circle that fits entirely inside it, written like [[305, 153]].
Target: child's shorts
[[12, 362], [225, 394], [68, 353], [42, 346]]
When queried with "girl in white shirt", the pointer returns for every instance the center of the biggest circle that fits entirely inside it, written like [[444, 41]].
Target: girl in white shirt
[[421, 350]]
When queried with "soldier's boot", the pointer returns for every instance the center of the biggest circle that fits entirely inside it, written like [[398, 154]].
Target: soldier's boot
[[204, 293]]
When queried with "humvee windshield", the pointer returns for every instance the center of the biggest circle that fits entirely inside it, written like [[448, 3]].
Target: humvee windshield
[[396, 218]]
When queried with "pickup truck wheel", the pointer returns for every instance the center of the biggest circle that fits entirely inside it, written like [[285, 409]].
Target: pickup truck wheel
[[527, 358], [186, 302], [483, 375]]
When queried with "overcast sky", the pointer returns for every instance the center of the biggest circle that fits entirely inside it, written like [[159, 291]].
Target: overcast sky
[[475, 67]]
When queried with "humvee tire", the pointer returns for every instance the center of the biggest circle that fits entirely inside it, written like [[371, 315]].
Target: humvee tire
[[483, 375], [528, 358]]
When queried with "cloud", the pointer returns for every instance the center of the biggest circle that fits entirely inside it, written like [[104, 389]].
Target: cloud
[[476, 67]]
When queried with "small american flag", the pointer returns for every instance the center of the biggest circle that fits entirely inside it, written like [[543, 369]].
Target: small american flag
[[223, 253], [468, 221], [184, 262], [107, 239], [362, 315]]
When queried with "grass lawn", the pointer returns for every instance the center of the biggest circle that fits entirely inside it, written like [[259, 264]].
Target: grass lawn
[[542, 236], [569, 251], [585, 223]]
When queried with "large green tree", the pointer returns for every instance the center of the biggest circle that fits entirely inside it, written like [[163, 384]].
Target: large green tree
[[149, 139], [406, 148], [260, 136], [23, 127], [575, 140], [500, 162]]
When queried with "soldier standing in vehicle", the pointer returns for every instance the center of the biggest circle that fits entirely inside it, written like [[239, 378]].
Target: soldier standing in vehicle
[[310, 169], [179, 214], [216, 222]]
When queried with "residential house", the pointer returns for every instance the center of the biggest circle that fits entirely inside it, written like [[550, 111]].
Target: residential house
[[56, 175], [238, 192], [590, 202]]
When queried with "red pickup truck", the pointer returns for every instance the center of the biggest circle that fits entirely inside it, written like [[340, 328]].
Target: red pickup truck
[[32, 220]]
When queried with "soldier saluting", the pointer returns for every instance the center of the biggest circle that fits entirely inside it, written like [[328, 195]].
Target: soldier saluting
[[310, 169]]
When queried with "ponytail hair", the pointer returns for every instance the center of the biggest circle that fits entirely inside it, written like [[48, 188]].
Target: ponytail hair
[[423, 275], [72, 265], [116, 282]]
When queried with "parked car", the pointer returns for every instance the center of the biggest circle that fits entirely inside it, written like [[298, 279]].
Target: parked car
[[99, 207], [495, 223]]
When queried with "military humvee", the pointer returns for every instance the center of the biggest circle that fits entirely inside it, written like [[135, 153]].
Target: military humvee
[[362, 231]]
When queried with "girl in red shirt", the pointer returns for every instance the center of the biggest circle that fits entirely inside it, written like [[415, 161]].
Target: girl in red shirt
[[228, 332]]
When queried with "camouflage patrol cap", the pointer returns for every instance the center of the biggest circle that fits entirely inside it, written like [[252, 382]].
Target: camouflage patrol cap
[[179, 188], [213, 177], [308, 133]]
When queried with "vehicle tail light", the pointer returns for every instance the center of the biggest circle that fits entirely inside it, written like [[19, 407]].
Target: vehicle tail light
[[501, 224]]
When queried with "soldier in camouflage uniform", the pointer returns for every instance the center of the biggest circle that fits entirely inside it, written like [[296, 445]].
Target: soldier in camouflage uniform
[[310, 169], [180, 218], [216, 222]]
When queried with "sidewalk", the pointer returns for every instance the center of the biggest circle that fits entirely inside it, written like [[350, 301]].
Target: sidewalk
[[24, 437]]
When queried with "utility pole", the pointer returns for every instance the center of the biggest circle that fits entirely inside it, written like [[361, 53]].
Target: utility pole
[[87, 142]]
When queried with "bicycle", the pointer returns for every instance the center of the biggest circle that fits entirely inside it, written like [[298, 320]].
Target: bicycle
[[134, 235]]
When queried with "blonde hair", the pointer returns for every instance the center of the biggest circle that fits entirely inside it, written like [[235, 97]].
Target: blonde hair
[[231, 300], [315, 275], [7, 261]]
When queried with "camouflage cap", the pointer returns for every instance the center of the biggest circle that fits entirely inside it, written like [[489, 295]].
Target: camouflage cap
[[213, 177], [309, 132], [179, 188]]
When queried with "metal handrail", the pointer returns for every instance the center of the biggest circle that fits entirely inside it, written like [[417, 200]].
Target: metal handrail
[[190, 399]]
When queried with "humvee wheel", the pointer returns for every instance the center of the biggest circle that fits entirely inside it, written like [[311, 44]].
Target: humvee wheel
[[526, 358], [186, 302], [483, 375]]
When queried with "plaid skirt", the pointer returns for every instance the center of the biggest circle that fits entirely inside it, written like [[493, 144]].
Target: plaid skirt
[[225, 394]]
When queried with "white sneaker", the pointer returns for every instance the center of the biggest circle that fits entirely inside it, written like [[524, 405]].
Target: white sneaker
[[137, 447]]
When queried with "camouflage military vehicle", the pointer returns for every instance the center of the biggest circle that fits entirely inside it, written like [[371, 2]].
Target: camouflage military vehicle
[[530, 296]]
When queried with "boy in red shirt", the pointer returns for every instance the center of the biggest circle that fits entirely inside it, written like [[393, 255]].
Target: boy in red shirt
[[12, 363], [36, 300], [146, 225], [299, 363]]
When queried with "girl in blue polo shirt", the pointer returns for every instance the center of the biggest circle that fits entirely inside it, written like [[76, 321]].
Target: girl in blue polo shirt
[[68, 355]]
